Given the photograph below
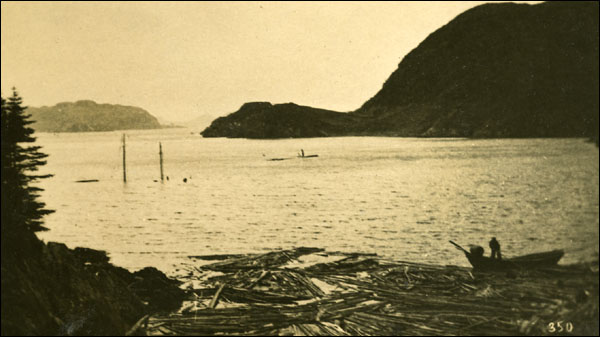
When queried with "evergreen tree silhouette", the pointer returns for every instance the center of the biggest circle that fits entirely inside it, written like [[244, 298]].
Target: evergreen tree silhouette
[[22, 212]]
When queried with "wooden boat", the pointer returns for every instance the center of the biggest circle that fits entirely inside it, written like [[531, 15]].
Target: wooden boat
[[299, 156], [537, 260]]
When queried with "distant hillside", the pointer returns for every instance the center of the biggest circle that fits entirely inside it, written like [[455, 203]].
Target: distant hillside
[[90, 116], [264, 120], [497, 70]]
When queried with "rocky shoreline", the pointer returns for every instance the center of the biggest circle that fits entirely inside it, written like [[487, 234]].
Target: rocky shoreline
[[54, 290]]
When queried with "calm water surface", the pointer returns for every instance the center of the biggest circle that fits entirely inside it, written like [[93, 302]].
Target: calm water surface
[[402, 198]]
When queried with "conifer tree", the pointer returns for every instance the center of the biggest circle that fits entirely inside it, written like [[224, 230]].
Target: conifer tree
[[22, 212]]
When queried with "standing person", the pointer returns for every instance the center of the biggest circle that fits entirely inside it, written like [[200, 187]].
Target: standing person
[[302, 150], [495, 247]]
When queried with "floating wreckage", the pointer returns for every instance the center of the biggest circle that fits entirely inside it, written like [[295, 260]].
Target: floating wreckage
[[308, 291]]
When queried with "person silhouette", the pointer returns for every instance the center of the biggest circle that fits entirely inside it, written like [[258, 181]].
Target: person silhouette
[[495, 247]]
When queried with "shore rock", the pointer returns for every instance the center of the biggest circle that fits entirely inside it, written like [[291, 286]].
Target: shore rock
[[59, 291]]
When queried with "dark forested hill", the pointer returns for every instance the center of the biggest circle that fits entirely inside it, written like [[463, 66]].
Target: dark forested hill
[[496, 70], [90, 116], [265, 120]]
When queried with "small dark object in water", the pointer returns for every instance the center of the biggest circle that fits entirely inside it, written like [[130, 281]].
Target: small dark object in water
[[87, 181], [185, 180]]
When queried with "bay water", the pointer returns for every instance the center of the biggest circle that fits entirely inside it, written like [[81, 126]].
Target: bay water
[[401, 198]]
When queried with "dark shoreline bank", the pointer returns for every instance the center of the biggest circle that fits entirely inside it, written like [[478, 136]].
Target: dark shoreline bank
[[54, 290]]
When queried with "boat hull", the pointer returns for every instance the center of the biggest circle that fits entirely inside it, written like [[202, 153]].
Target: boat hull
[[537, 260]]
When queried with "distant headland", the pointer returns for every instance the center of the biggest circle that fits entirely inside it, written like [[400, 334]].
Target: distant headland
[[497, 70], [88, 115]]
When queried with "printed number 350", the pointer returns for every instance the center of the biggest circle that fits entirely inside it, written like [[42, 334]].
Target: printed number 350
[[558, 327]]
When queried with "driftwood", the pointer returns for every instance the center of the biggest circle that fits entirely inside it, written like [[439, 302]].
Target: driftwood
[[215, 299], [138, 326], [357, 294]]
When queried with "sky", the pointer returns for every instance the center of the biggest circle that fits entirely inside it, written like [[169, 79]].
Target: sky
[[183, 60]]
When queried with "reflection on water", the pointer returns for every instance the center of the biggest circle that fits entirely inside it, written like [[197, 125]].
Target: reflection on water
[[402, 198]]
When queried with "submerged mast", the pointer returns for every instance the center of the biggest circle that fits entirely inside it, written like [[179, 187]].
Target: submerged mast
[[124, 166], [161, 161]]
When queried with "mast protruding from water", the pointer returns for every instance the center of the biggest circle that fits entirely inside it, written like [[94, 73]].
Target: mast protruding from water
[[124, 166], [161, 161]]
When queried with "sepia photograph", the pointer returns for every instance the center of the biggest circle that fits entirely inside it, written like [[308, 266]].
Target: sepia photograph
[[300, 168]]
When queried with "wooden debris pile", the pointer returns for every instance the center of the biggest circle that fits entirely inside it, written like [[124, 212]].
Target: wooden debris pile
[[353, 294]]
